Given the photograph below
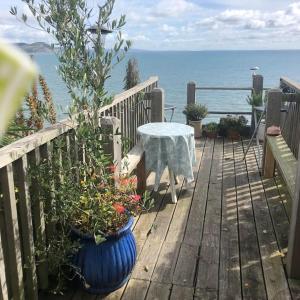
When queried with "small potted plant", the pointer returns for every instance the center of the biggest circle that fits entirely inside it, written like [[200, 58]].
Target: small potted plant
[[211, 130], [195, 113], [233, 126]]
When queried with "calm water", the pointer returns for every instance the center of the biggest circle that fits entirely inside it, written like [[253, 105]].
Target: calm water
[[208, 68]]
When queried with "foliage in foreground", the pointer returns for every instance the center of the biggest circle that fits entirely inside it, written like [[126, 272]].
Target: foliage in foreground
[[80, 194], [35, 113]]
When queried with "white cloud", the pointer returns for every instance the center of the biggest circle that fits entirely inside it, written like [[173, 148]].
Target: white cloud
[[173, 8], [255, 19]]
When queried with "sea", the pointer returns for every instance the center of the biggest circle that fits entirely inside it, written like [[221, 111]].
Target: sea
[[176, 68]]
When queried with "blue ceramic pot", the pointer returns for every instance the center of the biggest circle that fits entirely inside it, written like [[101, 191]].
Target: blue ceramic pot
[[107, 266]]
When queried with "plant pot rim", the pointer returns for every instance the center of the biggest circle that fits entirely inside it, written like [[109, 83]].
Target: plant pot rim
[[195, 120], [119, 233]]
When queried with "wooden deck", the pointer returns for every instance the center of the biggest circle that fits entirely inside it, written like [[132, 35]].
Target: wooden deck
[[226, 238]]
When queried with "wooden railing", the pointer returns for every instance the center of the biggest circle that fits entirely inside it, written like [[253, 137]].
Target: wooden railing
[[257, 87], [22, 220], [290, 119], [283, 109]]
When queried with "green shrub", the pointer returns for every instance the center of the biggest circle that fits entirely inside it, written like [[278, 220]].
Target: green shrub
[[195, 112], [132, 77], [237, 123], [212, 127]]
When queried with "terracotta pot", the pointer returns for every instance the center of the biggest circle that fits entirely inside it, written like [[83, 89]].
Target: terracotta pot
[[233, 134], [197, 127]]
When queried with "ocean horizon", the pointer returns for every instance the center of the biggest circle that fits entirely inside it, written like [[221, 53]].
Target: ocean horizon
[[176, 68]]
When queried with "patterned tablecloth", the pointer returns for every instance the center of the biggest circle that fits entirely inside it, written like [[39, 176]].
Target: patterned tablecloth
[[168, 145]]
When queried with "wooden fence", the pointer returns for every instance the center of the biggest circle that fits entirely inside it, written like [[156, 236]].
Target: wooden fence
[[22, 221], [290, 119], [283, 109]]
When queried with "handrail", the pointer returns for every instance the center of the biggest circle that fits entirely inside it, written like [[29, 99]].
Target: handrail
[[224, 88], [290, 83], [16, 150]]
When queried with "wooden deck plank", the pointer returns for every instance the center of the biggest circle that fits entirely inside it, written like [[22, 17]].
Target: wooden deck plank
[[158, 291], [149, 255], [253, 286], [136, 289], [178, 225], [275, 279], [208, 267], [182, 292], [229, 275], [188, 256], [166, 263], [193, 233]]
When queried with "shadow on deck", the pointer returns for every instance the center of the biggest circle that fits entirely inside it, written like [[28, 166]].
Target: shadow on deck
[[226, 238]]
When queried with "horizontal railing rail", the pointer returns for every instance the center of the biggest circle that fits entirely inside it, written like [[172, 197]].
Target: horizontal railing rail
[[257, 87], [224, 88], [22, 221]]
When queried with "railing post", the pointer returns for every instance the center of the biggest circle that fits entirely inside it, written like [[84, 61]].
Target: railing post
[[157, 105], [111, 127], [273, 114], [257, 83], [257, 88], [293, 258], [191, 93]]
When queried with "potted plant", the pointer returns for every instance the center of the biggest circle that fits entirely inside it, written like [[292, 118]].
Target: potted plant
[[195, 113], [91, 240], [211, 130], [233, 126], [101, 221]]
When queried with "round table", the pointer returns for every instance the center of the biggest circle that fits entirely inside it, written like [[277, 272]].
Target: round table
[[169, 145]]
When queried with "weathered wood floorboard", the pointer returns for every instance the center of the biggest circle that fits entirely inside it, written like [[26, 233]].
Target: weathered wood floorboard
[[229, 274], [253, 286], [208, 266], [275, 280], [224, 239], [174, 238], [188, 256]]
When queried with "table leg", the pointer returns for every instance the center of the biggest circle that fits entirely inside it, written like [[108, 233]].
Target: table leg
[[172, 186]]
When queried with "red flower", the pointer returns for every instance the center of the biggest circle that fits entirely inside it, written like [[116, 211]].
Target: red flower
[[124, 182], [112, 168], [119, 208], [136, 198], [133, 180]]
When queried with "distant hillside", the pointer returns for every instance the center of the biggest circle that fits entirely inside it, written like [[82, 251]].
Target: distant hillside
[[34, 47]]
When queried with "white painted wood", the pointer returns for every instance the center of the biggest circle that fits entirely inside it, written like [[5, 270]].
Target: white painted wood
[[172, 186]]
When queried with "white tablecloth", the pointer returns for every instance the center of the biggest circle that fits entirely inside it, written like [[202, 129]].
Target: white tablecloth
[[168, 145]]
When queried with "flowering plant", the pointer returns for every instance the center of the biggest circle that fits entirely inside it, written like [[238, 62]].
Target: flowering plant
[[103, 207]]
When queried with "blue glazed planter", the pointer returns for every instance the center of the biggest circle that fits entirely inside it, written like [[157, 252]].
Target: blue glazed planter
[[106, 267]]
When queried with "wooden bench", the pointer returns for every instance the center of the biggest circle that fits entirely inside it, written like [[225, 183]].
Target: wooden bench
[[135, 159], [278, 151]]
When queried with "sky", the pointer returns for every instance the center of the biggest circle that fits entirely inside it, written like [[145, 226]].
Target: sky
[[188, 24]]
